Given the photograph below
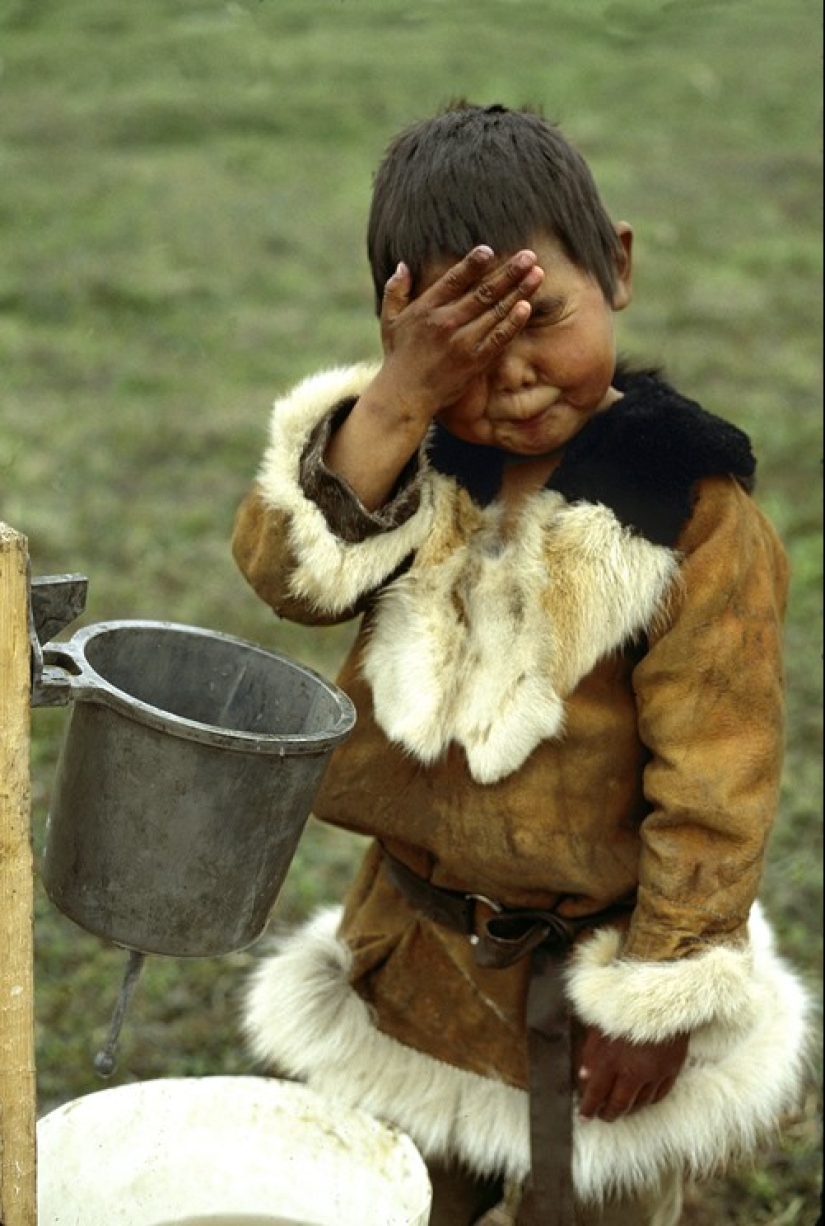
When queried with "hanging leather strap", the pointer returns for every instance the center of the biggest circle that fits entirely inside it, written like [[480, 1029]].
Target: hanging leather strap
[[500, 940]]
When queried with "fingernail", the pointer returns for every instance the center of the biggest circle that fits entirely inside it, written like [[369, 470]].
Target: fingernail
[[532, 280], [483, 252]]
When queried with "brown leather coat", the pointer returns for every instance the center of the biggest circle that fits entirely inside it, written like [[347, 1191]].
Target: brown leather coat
[[651, 775]]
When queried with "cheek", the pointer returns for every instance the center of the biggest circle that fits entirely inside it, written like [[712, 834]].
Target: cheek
[[587, 367], [473, 402], [467, 416]]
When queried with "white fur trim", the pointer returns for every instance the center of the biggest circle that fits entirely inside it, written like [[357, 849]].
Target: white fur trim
[[482, 639], [650, 1002], [331, 573], [303, 1018]]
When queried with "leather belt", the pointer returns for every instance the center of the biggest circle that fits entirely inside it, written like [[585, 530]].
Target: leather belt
[[500, 940]]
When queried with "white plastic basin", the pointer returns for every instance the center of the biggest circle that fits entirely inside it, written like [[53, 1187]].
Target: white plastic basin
[[224, 1151]]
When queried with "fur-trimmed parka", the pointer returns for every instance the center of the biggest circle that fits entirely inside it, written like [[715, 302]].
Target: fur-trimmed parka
[[580, 710]]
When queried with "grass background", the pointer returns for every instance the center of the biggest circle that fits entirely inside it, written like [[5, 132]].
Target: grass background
[[183, 193]]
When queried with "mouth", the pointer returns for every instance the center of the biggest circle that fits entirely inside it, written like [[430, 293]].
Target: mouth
[[526, 410], [527, 425], [533, 420]]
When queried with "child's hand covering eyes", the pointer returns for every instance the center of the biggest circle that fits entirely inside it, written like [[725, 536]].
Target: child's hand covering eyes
[[437, 343]]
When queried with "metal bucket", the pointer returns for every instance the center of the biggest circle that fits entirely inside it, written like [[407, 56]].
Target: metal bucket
[[185, 780]]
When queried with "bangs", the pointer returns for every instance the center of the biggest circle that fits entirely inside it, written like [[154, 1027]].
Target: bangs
[[485, 175]]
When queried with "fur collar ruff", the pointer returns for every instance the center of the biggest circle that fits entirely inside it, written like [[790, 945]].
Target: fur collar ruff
[[570, 588], [641, 458]]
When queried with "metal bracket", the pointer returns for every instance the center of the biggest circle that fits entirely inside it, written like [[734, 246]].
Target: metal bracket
[[54, 603]]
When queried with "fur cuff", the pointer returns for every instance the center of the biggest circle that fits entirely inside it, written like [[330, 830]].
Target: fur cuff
[[304, 1020], [331, 573], [651, 1002]]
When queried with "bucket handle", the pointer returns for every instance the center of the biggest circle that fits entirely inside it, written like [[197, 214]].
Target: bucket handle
[[54, 602], [65, 677]]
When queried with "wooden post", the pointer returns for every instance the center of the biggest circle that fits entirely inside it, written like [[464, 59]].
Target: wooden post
[[18, 1190]]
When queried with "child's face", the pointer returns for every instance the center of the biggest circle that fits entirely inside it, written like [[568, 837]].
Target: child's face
[[557, 372]]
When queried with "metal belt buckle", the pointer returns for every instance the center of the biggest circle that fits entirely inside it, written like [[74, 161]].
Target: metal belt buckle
[[496, 907]]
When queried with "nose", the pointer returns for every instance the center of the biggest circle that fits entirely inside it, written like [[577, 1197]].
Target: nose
[[512, 371]]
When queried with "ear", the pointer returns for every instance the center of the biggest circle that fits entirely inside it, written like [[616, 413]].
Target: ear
[[624, 266]]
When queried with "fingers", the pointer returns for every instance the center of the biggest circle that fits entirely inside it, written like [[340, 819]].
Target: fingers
[[487, 304], [462, 276], [491, 299], [478, 284], [473, 285], [610, 1100], [396, 294], [507, 317], [595, 1092]]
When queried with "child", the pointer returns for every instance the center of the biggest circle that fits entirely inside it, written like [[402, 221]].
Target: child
[[569, 695]]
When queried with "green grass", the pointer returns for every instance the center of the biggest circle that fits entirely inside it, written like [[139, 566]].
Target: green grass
[[183, 191]]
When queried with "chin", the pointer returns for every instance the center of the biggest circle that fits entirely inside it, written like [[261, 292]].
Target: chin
[[533, 445]]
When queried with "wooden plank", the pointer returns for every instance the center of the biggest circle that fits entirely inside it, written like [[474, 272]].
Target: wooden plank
[[18, 1189]]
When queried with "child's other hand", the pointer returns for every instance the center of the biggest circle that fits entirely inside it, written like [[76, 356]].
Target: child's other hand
[[616, 1077], [436, 344]]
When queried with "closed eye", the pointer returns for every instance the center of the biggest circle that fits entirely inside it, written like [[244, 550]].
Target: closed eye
[[548, 310]]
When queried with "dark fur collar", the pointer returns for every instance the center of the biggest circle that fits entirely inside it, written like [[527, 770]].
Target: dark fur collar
[[642, 458]]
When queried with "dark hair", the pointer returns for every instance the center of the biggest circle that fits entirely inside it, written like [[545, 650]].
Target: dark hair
[[488, 174]]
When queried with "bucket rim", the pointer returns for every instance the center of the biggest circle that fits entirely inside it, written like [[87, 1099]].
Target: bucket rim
[[90, 686]]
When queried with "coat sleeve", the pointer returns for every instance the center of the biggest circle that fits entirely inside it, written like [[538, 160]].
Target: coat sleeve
[[302, 538], [710, 700], [698, 955]]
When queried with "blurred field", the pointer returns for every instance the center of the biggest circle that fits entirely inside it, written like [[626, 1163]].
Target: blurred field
[[183, 192]]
